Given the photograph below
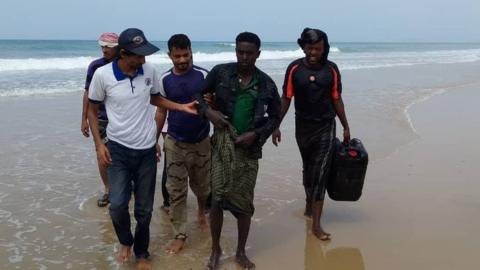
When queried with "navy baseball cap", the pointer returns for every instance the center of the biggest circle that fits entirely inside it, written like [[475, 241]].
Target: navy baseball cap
[[133, 40]]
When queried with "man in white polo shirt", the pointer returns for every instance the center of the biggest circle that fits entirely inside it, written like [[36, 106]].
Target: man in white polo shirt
[[128, 86]]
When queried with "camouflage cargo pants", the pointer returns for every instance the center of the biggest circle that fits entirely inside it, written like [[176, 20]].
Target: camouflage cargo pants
[[187, 164]]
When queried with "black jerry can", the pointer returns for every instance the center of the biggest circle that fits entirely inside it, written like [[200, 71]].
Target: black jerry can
[[347, 175]]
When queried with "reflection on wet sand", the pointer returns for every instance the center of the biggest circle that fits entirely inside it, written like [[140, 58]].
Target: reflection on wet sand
[[318, 256]]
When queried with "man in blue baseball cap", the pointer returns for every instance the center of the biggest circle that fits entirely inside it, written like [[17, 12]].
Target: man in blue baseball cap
[[128, 86]]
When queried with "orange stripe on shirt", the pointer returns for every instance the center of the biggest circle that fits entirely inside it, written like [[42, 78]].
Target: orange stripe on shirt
[[290, 89], [335, 94]]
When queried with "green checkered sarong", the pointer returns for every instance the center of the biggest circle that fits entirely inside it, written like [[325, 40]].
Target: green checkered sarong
[[233, 174]]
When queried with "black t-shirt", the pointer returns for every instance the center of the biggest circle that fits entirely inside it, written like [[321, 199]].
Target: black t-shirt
[[314, 89]]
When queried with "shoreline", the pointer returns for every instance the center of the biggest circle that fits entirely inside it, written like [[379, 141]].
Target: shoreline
[[435, 92]]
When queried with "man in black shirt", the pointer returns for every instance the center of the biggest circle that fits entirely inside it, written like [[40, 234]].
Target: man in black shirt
[[316, 84]]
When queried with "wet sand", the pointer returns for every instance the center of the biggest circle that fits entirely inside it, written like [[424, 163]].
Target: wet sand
[[419, 209]]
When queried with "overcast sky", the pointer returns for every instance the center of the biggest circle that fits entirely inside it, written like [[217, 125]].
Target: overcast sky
[[221, 20]]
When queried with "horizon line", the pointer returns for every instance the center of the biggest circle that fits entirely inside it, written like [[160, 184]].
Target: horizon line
[[233, 41]]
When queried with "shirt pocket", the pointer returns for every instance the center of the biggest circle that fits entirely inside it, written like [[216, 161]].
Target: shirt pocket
[[224, 94]]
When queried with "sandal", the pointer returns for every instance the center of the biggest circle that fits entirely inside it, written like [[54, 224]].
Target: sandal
[[181, 236], [174, 247], [103, 201]]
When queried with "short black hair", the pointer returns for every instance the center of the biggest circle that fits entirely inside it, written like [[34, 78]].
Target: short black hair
[[311, 36], [248, 37], [180, 41]]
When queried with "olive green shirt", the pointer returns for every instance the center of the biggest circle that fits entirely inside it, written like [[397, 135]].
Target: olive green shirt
[[244, 107]]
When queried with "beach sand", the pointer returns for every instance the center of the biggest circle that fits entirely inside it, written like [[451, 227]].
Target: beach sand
[[419, 208]]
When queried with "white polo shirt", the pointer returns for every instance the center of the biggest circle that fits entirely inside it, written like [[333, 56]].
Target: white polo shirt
[[127, 101]]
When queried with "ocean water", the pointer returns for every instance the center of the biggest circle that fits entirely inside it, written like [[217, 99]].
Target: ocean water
[[33, 67]]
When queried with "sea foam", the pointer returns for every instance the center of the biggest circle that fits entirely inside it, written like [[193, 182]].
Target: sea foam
[[354, 60], [159, 58]]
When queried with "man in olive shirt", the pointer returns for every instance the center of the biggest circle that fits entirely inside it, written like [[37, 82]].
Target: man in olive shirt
[[248, 111]]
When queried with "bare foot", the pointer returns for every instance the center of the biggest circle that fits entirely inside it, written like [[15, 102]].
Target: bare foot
[[175, 246], [202, 223], [321, 234], [242, 259], [143, 264], [124, 254], [214, 259]]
